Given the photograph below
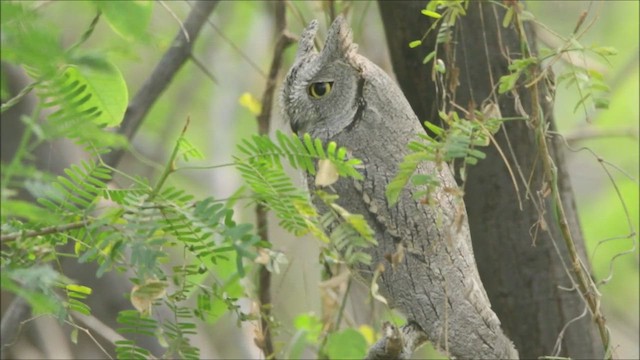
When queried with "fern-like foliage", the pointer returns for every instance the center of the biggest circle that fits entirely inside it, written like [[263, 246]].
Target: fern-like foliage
[[177, 334], [133, 322], [83, 93], [78, 193], [301, 153], [348, 234], [131, 229], [262, 170], [83, 96], [274, 188], [134, 228], [79, 96], [458, 142]]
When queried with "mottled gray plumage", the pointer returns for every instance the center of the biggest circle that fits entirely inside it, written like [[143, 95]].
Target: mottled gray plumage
[[436, 284]]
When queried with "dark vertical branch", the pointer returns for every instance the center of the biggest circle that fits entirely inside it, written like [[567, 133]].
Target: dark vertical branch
[[514, 247], [264, 120]]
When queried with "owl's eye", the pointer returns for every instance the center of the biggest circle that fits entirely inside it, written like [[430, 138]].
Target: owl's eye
[[320, 89]]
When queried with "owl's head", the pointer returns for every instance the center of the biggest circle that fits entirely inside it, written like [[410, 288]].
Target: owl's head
[[323, 90]]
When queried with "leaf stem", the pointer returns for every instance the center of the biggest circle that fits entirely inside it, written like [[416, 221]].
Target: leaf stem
[[87, 34], [16, 99], [171, 162], [344, 304], [21, 151]]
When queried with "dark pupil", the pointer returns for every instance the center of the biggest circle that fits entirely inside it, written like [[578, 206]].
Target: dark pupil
[[320, 88]]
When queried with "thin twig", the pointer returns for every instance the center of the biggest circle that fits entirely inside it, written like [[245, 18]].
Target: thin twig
[[587, 133], [204, 69], [236, 48], [16, 99], [177, 19], [44, 231], [264, 119], [171, 163]]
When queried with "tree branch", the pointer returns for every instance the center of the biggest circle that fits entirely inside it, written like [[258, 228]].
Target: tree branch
[[514, 272], [163, 73], [44, 231], [264, 120]]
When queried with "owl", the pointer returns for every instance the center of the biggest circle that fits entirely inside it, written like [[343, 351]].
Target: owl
[[338, 95]]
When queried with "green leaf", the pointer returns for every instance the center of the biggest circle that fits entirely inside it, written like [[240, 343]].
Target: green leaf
[[79, 289], [429, 57], [431, 14], [107, 87], [415, 43], [436, 129], [188, 150], [78, 306], [407, 168], [29, 211], [601, 103], [28, 39], [507, 82], [74, 335], [39, 292], [230, 287], [128, 19], [311, 325], [506, 21], [605, 50], [346, 344]]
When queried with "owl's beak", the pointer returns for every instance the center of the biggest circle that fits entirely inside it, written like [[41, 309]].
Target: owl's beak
[[294, 126]]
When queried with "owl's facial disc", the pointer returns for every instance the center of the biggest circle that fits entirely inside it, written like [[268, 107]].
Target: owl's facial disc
[[322, 94]]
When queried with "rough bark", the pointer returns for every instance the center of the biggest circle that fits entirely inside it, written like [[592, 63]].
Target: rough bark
[[522, 274]]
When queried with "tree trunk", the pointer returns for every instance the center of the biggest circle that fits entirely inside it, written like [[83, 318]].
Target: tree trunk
[[522, 271]]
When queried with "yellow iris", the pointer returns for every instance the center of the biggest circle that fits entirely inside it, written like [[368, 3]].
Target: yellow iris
[[320, 89]]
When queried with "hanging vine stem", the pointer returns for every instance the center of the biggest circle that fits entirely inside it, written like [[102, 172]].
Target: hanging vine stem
[[586, 286]]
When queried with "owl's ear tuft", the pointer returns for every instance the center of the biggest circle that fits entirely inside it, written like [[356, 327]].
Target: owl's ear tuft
[[339, 42], [305, 45]]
